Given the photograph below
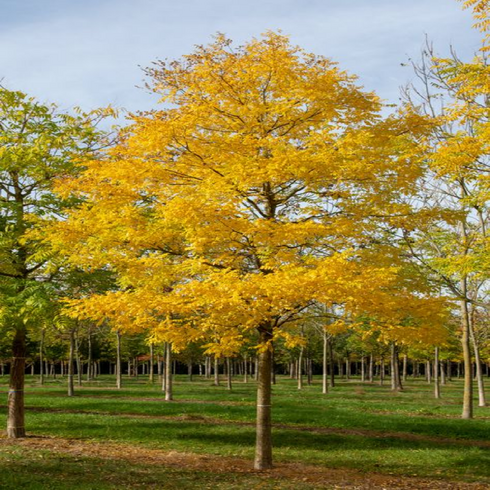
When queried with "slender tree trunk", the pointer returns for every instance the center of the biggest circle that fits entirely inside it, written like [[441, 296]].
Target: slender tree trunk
[[164, 367], [332, 364], [405, 363], [89, 362], [216, 371], [479, 372], [151, 373], [118, 361], [71, 389], [168, 373], [245, 369], [381, 372], [16, 410], [207, 367], [428, 372], [300, 369], [443, 373], [228, 374], [189, 370], [78, 360], [396, 384], [41, 359], [325, 363], [363, 369], [263, 448], [437, 388], [467, 412], [371, 368], [309, 371]]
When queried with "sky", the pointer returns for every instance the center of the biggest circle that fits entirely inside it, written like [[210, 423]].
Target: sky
[[89, 53]]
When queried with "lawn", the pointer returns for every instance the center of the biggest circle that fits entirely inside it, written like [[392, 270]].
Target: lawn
[[359, 429]]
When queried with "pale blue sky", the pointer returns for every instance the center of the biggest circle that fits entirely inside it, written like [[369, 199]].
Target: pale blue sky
[[87, 52]]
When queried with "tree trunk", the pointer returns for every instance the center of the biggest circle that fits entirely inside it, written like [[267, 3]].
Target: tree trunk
[[151, 372], [71, 389], [207, 367], [245, 369], [79, 362], [89, 361], [41, 359], [118, 361], [189, 370], [216, 371], [15, 418], [479, 372], [325, 363], [405, 362], [467, 412], [396, 384], [332, 364], [168, 373], [437, 389], [371, 368], [363, 369], [164, 367], [228, 374], [300, 369], [263, 448], [309, 371]]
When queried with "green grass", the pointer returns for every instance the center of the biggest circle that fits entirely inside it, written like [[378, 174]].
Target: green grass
[[355, 426]]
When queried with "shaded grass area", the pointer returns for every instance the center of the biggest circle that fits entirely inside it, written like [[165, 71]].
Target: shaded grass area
[[29, 469], [191, 424]]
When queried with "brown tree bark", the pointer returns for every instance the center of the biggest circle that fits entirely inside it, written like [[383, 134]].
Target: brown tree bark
[[71, 389], [118, 361], [168, 373], [228, 374], [216, 371], [325, 363], [437, 388], [263, 448], [300, 369], [16, 409], [467, 412], [151, 370]]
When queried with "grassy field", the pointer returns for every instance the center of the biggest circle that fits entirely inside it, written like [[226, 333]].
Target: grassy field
[[130, 438]]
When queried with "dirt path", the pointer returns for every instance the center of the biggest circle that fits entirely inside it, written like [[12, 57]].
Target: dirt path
[[317, 476], [203, 419]]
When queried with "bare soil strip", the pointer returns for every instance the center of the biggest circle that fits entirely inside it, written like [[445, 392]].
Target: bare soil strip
[[318, 476]]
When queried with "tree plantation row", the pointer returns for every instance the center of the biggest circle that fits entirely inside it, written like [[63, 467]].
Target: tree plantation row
[[342, 355], [268, 209]]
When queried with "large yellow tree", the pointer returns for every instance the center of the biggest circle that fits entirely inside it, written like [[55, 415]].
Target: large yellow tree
[[266, 183]]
